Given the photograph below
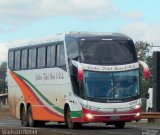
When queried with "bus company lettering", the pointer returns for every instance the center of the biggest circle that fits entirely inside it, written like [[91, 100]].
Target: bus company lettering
[[133, 102], [49, 76], [110, 68]]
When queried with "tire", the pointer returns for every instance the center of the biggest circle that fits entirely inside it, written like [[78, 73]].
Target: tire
[[30, 121], [120, 125], [68, 121], [149, 109], [23, 118], [40, 123]]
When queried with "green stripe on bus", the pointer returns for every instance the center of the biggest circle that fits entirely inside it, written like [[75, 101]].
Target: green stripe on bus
[[76, 113], [40, 94]]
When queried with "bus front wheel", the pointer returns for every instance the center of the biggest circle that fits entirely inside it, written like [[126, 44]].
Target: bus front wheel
[[68, 120], [120, 125]]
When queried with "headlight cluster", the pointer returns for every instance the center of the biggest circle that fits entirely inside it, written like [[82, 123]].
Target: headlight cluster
[[89, 107], [137, 107], [89, 116]]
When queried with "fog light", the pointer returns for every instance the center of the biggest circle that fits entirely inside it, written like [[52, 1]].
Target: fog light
[[89, 116], [138, 114]]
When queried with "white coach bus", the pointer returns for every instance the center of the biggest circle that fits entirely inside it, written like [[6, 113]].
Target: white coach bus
[[75, 78]]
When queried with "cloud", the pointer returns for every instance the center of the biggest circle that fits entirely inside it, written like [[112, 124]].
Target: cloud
[[5, 46], [24, 11], [18, 11], [21, 11], [149, 32], [3, 52], [133, 15], [83, 9]]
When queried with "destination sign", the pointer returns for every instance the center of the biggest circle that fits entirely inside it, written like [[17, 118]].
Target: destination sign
[[110, 68]]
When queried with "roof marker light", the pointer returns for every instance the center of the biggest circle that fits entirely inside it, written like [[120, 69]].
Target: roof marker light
[[107, 39]]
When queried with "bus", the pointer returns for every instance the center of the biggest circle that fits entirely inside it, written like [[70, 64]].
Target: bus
[[75, 78], [149, 100]]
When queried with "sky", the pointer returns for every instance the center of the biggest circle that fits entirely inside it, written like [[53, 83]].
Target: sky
[[26, 20]]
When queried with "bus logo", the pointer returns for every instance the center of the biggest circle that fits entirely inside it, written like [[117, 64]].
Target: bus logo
[[114, 110]]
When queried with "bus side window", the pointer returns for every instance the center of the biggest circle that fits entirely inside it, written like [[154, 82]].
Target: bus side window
[[32, 58], [24, 59], [51, 55], [72, 49], [41, 57], [17, 59], [60, 55], [11, 60]]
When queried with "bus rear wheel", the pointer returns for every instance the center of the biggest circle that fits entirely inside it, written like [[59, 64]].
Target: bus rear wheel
[[31, 122], [23, 118]]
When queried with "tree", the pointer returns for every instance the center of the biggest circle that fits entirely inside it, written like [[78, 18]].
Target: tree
[[143, 49], [143, 52], [3, 75]]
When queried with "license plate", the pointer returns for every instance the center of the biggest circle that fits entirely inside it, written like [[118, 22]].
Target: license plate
[[115, 117]]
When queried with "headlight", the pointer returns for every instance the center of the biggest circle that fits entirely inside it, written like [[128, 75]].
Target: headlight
[[137, 107], [89, 116], [89, 107], [138, 114]]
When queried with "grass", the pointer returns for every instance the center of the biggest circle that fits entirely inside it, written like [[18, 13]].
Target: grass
[[145, 123]]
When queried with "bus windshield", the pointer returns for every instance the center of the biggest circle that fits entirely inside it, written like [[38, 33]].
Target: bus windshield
[[112, 85], [107, 52]]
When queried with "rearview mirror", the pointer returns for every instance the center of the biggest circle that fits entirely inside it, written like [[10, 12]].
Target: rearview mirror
[[146, 72]]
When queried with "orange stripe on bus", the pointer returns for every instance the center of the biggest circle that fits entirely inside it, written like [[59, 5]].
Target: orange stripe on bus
[[41, 112]]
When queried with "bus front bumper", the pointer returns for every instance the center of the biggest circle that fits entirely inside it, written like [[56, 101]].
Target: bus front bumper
[[89, 116]]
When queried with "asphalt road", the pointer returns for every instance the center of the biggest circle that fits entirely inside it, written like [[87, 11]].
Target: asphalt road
[[87, 129]]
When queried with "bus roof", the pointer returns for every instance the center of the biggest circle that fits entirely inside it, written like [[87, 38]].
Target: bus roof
[[76, 35], [97, 34]]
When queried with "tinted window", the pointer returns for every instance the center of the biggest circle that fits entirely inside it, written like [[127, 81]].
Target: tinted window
[[11, 60], [112, 85], [32, 58], [41, 57], [72, 48], [51, 56], [60, 55], [17, 59], [108, 52], [24, 59]]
